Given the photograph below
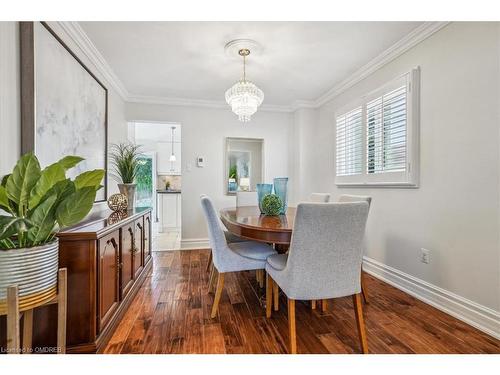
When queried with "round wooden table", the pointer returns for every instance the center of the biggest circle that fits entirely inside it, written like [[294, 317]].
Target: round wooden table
[[248, 222]]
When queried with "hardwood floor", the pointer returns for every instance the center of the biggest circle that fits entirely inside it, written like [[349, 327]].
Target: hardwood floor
[[171, 314]]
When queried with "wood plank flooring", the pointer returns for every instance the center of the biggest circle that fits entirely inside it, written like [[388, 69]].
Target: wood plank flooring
[[171, 314]]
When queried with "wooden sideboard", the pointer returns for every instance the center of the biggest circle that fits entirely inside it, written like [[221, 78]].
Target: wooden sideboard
[[107, 256]]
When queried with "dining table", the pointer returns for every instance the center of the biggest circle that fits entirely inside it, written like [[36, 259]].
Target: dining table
[[248, 222]]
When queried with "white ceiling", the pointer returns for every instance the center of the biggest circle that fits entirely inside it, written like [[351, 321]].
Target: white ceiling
[[299, 61]]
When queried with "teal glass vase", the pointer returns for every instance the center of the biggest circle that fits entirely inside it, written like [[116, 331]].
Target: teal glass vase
[[280, 189], [262, 191]]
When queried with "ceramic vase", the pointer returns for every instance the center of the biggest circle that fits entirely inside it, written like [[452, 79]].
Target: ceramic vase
[[129, 191]]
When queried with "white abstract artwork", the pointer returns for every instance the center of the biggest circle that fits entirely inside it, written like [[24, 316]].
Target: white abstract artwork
[[70, 107]]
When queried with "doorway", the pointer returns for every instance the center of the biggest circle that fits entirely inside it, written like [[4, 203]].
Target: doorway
[[159, 179]]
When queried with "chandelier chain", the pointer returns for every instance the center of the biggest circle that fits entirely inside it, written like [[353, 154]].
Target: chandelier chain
[[244, 67]]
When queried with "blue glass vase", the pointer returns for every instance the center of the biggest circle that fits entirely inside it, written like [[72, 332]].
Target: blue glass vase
[[280, 189], [262, 191]]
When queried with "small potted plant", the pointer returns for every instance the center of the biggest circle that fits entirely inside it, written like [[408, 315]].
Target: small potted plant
[[233, 175], [125, 164], [36, 204]]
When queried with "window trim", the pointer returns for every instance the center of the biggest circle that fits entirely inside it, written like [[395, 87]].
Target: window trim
[[410, 177]]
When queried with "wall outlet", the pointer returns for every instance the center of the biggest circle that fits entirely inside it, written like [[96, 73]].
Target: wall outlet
[[425, 256]]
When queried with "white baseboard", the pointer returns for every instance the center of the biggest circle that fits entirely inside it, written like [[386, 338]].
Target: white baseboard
[[194, 243], [478, 316]]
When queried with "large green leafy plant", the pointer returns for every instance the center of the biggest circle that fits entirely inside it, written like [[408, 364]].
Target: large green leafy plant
[[125, 162], [39, 202]]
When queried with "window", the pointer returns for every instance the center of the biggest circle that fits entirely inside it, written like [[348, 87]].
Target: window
[[349, 143], [377, 138]]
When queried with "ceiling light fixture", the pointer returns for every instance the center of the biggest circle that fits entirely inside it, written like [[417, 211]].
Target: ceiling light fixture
[[172, 155], [244, 96]]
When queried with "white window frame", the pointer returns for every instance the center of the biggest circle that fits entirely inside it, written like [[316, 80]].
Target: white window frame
[[410, 177]]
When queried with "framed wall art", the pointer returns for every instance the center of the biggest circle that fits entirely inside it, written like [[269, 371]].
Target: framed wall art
[[64, 107]]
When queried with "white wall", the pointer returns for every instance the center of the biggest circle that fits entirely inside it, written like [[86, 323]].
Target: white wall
[[204, 131], [10, 128], [455, 211], [10, 139]]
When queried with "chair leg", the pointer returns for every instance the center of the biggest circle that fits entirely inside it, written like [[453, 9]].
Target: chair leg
[[363, 288], [212, 279], [27, 331], [269, 297], [259, 276], [291, 326], [209, 261], [324, 305], [276, 297], [62, 310], [360, 322], [218, 293]]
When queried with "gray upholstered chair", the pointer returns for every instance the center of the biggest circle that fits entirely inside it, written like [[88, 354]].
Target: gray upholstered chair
[[320, 197], [246, 198], [230, 238], [230, 257], [324, 260], [359, 198]]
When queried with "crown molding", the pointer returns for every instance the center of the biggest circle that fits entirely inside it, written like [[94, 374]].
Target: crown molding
[[416, 36], [419, 34], [215, 104], [299, 104], [76, 33]]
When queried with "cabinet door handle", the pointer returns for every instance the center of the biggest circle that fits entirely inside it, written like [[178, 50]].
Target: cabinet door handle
[[113, 242]]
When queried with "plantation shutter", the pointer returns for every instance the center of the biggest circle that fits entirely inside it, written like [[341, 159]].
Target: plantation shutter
[[386, 119], [349, 151]]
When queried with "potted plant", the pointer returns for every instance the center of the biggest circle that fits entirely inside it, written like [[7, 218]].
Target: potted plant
[[36, 203], [233, 175], [125, 164]]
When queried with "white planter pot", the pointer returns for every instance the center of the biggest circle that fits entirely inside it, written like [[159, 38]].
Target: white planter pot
[[34, 271]]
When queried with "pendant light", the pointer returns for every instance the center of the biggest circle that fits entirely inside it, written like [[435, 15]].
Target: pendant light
[[244, 96], [172, 156]]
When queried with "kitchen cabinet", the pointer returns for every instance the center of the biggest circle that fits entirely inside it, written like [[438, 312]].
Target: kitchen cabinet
[[170, 210], [163, 152]]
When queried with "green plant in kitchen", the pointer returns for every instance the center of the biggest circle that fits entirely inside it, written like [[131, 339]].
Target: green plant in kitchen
[[125, 162], [233, 172], [271, 205], [39, 202]]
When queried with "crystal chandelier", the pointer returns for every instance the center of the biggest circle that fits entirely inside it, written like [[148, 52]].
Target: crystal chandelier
[[244, 96]]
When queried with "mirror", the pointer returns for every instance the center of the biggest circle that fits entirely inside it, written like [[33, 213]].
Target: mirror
[[244, 164]]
